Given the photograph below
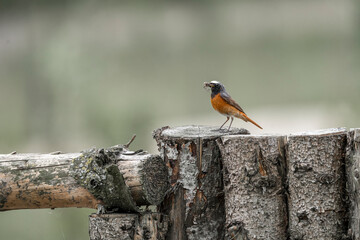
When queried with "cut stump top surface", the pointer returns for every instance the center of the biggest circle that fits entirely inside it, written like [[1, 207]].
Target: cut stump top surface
[[321, 132], [198, 131]]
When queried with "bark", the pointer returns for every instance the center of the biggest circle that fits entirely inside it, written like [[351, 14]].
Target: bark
[[110, 177], [195, 204], [353, 186], [316, 176], [146, 176], [41, 181], [128, 226], [254, 179]]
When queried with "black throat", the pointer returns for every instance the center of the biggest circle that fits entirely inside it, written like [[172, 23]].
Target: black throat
[[215, 91]]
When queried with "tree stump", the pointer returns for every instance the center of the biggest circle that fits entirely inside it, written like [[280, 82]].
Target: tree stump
[[195, 204], [353, 178], [151, 226], [116, 178], [254, 178], [316, 175]]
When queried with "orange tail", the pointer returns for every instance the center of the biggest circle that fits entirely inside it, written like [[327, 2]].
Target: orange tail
[[246, 119]]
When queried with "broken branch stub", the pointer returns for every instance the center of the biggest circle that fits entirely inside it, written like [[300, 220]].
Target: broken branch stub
[[127, 179], [96, 171], [115, 178], [195, 203], [146, 176]]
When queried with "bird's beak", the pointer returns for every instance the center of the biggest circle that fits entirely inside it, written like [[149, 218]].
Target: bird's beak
[[206, 84]]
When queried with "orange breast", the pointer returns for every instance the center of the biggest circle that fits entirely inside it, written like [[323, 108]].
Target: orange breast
[[220, 105]]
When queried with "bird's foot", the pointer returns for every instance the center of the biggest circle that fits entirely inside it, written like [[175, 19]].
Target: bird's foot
[[100, 209], [223, 130], [216, 130]]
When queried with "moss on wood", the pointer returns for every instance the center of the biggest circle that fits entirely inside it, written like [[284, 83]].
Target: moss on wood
[[96, 170]]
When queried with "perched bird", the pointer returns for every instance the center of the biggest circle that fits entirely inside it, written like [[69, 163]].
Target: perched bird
[[224, 104]]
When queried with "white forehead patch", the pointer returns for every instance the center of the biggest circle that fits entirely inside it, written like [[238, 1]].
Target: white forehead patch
[[216, 82]]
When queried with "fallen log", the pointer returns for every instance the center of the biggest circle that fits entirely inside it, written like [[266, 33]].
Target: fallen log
[[116, 178]]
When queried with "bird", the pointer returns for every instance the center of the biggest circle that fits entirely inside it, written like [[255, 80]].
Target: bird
[[224, 104]]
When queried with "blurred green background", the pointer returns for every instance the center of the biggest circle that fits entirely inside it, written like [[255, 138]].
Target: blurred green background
[[78, 74]]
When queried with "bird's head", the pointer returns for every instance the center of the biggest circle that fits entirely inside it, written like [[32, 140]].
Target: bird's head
[[215, 86]]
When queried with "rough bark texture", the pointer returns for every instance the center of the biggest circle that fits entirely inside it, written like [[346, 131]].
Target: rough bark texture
[[195, 204], [128, 226], [317, 185], [254, 179], [97, 171], [40, 181], [82, 180], [353, 185], [146, 176]]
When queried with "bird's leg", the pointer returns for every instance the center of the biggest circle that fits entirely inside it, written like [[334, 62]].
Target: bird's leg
[[232, 119], [100, 209], [227, 119]]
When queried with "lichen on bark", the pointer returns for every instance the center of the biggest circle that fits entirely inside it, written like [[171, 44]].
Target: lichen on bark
[[195, 203], [96, 170]]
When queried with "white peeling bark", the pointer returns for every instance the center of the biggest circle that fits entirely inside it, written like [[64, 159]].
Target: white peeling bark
[[195, 204]]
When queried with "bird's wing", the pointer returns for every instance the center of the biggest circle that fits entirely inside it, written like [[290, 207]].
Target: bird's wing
[[230, 101]]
